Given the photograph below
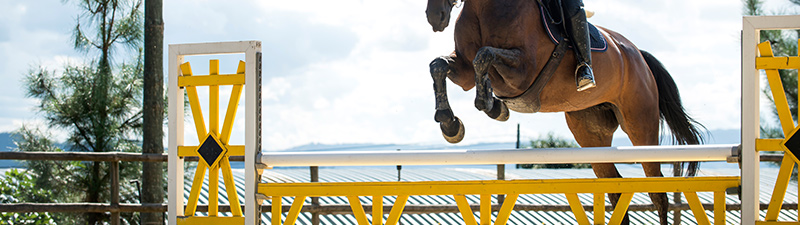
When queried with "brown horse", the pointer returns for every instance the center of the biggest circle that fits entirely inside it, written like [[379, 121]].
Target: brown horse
[[501, 48]]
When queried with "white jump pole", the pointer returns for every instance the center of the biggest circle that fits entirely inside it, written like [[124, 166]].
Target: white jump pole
[[514, 156]]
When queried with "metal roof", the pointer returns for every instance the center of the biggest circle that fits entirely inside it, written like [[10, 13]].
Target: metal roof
[[428, 173]]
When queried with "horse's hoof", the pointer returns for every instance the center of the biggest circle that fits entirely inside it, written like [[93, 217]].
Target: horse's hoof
[[499, 111], [482, 104], [453, 131]]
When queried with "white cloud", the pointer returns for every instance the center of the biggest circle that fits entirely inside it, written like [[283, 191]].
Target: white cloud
[[356, 71]]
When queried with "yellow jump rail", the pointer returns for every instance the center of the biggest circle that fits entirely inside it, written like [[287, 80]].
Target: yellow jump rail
[[512, 188]]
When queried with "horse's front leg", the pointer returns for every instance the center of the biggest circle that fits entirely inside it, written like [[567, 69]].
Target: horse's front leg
[[502, 60], [451, 126]]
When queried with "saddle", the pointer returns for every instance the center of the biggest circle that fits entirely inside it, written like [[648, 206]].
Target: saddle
[[553, 22]]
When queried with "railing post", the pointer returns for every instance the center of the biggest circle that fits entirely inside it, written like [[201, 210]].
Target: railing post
[[501, 175], [315, 200], [115, 192]]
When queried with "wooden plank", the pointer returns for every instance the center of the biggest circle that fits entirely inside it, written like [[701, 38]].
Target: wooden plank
[[358, 210], [577, 209], [464, 208], [297, 205], [697, 208], [599, 208], [621, 209], [779, 191], [397, 210], [506, 209]]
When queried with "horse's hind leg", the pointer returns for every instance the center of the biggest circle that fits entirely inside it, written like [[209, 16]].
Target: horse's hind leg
[[653, 169], [594, 127], [451, 126], [499, 58], [641, 123]]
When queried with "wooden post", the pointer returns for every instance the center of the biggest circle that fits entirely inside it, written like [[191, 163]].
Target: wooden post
[[315, 200], [501, 175], [115, 191]]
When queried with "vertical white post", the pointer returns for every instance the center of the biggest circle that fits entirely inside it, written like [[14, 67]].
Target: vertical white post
[[175, 171], [252, 137], [751, 26], [750, 123], [252, 50]]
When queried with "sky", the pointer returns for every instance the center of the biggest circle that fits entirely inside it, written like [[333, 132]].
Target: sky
[[356, 71]]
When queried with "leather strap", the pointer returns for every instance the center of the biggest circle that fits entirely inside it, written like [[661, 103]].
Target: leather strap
[[529, 101]]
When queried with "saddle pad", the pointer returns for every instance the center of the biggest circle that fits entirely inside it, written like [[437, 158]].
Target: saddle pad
[[556, 32]]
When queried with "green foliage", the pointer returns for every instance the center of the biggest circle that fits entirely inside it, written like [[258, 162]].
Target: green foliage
[[784, 43], [98, 102], [10, 186], [551, 141]]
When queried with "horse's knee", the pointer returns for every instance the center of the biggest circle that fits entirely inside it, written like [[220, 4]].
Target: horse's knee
[[439, 67], [483, 58]]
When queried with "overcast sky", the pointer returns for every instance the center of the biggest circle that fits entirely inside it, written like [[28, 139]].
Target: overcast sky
[[356, 71]]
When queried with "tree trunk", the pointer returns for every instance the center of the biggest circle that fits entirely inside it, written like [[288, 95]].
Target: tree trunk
[[153, 114]]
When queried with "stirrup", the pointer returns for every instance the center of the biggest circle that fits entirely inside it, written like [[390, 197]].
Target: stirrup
[[585, 82]]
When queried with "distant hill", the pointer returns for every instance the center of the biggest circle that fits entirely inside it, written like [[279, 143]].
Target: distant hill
[[7, 144], [729, 136], [713, 137]]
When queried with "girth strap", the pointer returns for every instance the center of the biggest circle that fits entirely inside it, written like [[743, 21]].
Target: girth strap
[[524, 103]]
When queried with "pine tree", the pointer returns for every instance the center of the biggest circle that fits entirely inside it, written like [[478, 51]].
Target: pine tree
[[98, 101], [784, 43]]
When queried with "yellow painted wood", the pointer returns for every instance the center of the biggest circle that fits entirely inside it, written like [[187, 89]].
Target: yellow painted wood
[[776, 223], [208, 80], [781, 184], [233, 105], [194, 194], [213, 99], [486, 209], [194, 103], [358, 210], [769, 144], [202, 220], [599, 208], [697, 208], [397, 210], [230, 114], [719, 207], [785, 116], [377, 210], [778, 95], [506, 209], [781, 62], [297, 205], [276, 210], [233, 150], [213, 191], [577, 209], [601, 185], [466, 211], [621, 209], [230, 187]]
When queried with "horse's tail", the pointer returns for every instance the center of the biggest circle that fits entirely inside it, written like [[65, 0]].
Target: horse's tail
[[685, 130]]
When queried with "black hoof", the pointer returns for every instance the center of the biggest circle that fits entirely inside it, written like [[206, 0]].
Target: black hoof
[[452, 131], [483, 104], [499, 111]]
